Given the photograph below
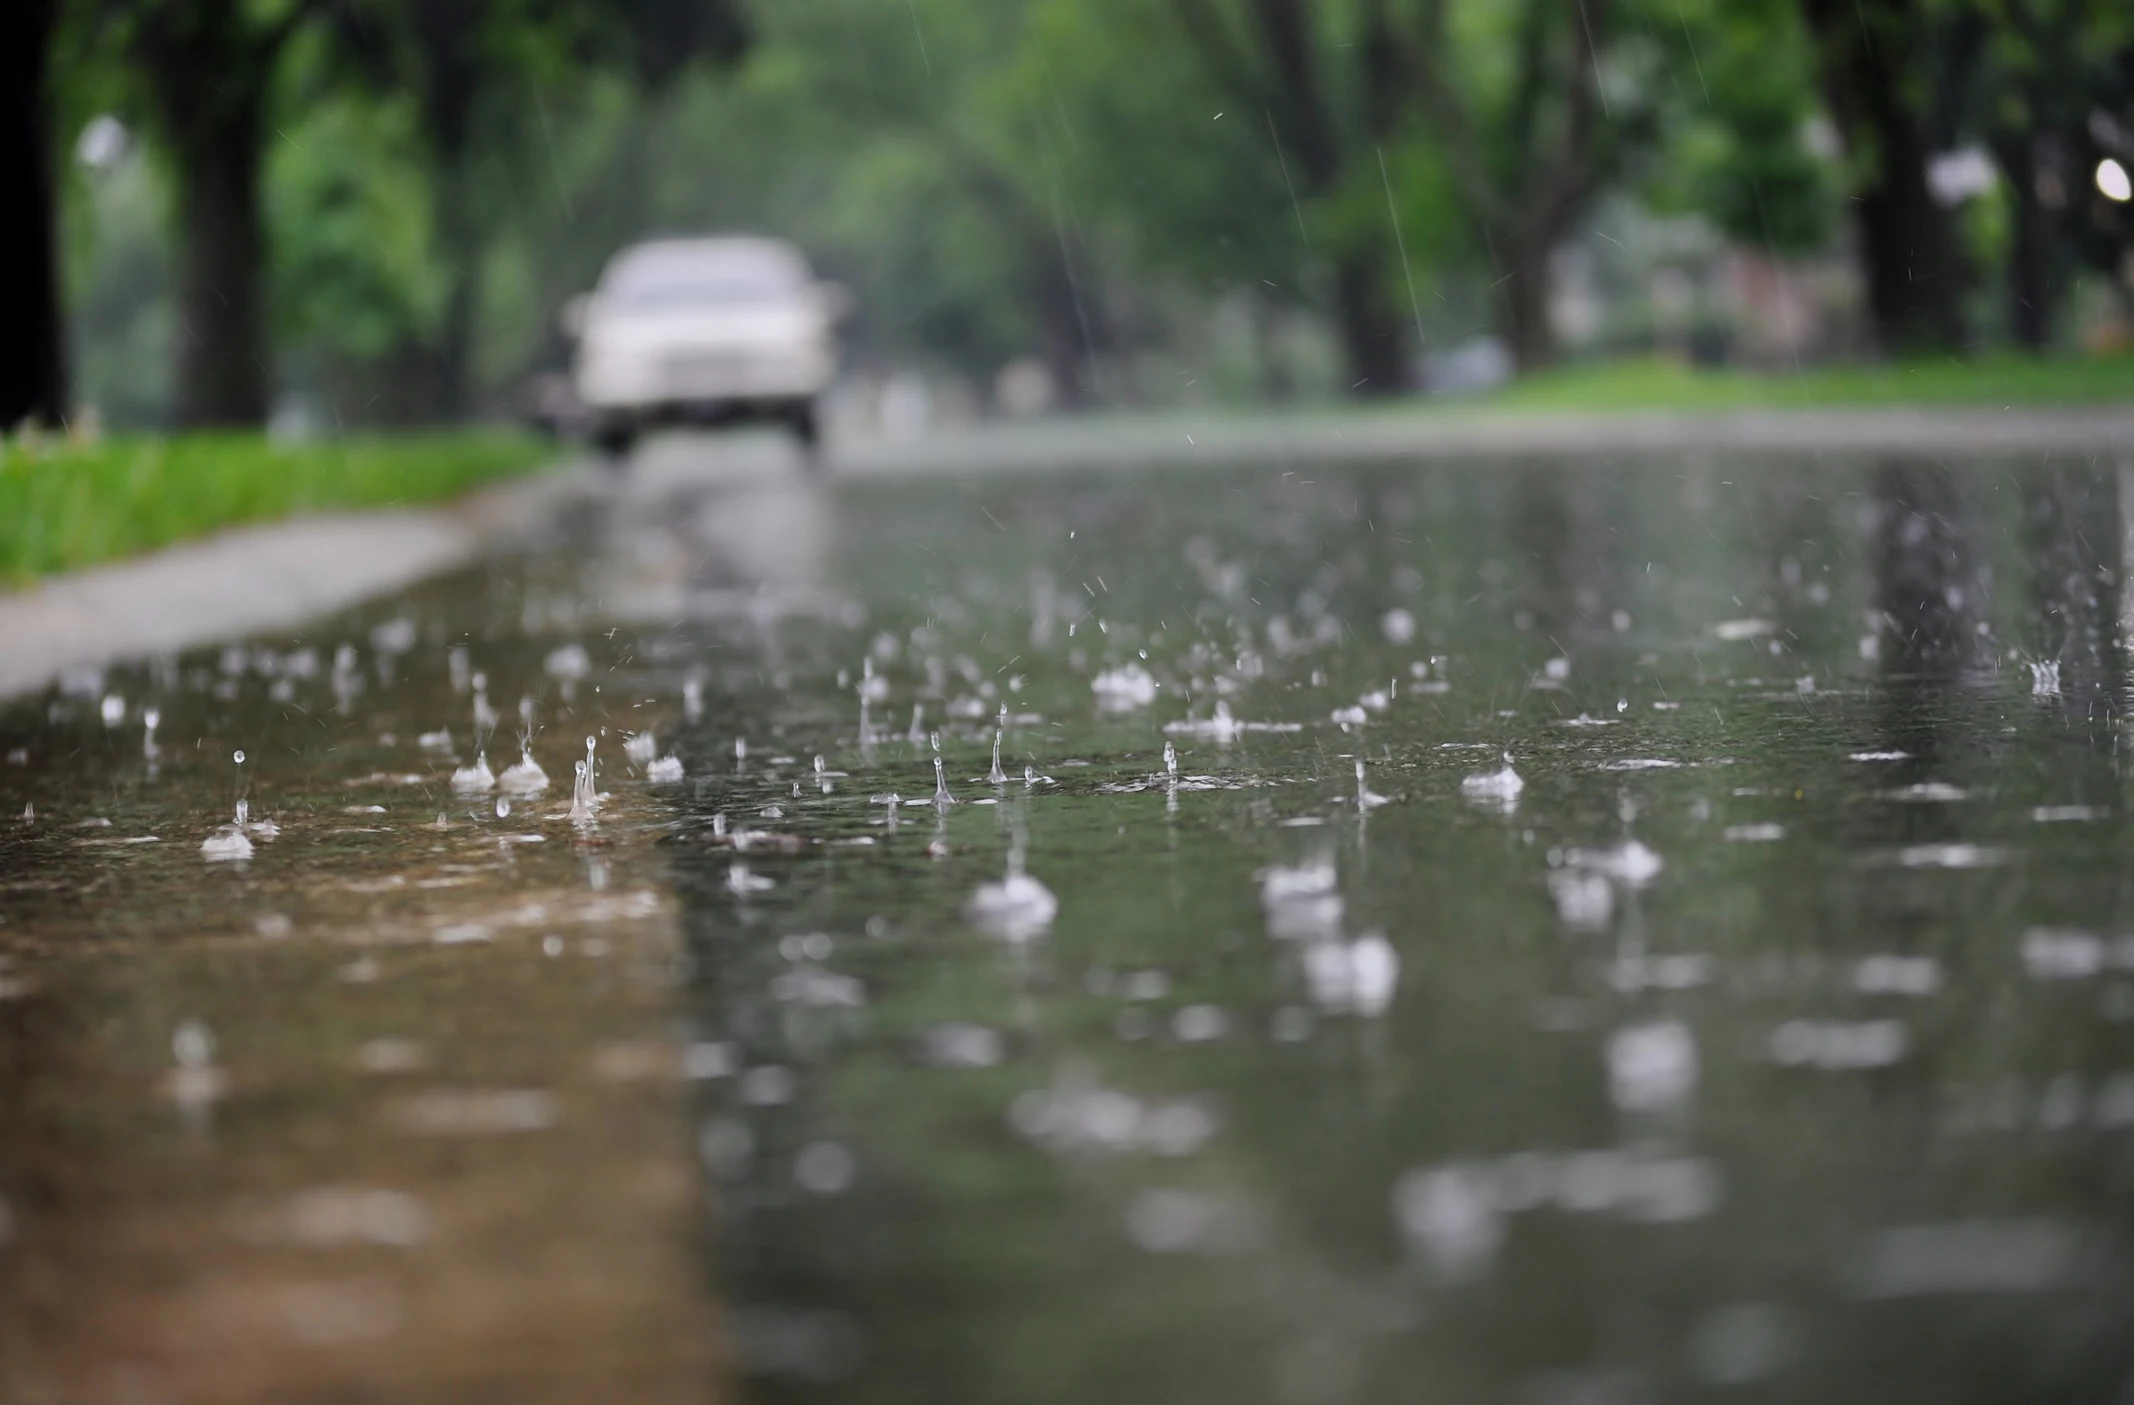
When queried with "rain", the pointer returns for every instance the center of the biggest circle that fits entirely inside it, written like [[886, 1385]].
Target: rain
[[1067, 700]]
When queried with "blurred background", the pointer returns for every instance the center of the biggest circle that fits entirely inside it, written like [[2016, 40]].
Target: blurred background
[[313, 215]]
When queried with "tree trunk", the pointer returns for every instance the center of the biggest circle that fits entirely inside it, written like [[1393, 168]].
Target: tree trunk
[[1910, 255], [459, 240], [32, 347], [448, 33], [215, 121], [2030, 305], [1529, 282], [1067, 329], [1371, 329]]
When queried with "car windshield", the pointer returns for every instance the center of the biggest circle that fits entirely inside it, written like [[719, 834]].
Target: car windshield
[[696, 279]]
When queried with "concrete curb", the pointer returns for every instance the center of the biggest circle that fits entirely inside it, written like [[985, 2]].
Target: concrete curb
[[275, 575]]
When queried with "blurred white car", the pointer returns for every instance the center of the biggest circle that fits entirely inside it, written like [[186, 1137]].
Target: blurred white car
[[704, 331]]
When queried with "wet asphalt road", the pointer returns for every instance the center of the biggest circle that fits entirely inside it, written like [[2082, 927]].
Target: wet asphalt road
[[1769, 1038]]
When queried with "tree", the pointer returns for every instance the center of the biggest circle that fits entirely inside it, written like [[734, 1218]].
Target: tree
[[467, 66], [1331, 84], [1736, 147], [905, 145], [203, 73], [32, 355], [1370, 103], [1874, 67], [1529, 158], [2046, 88]]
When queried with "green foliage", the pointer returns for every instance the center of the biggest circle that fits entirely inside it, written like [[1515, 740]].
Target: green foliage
[[1738, 149], [997, 178], [352, 272], [1990, 382], [64, 506]]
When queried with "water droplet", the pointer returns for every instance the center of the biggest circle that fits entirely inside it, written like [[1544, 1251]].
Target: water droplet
[[239, 758]]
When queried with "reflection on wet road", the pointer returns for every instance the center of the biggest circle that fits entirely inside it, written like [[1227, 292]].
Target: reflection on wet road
[[1547, 934]]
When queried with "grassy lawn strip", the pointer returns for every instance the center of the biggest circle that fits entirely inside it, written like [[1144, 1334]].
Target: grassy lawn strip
[[64, 506], [1989, 382]]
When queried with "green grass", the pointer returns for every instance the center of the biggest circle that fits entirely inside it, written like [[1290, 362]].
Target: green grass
[[65, 506], [1988, 382]]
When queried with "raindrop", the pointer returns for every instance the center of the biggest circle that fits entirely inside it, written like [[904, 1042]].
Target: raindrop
[[996, 776]]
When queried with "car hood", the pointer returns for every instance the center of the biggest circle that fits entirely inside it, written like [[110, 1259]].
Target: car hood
[[658, 329]]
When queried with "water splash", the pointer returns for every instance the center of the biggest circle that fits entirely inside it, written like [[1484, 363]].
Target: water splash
[[1356, 977], [485, 716], [229, 842], [1170, 762], [1501, 787], [996, 776], [585, 799], [667, 770], [1366, 798], [526, 777], [941, 795], [1017, 908], [226, 845], [477, 779], [1123, 689], [1222, 726], [641, 748]]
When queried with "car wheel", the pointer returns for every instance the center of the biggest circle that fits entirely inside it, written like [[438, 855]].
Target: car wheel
[[614, 440], [807, 433]]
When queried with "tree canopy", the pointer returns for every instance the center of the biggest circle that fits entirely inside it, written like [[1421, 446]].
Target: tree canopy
[[377, 206]]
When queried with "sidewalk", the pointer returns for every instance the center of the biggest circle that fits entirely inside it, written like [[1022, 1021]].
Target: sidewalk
[[1432, 434], [272, 576]]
